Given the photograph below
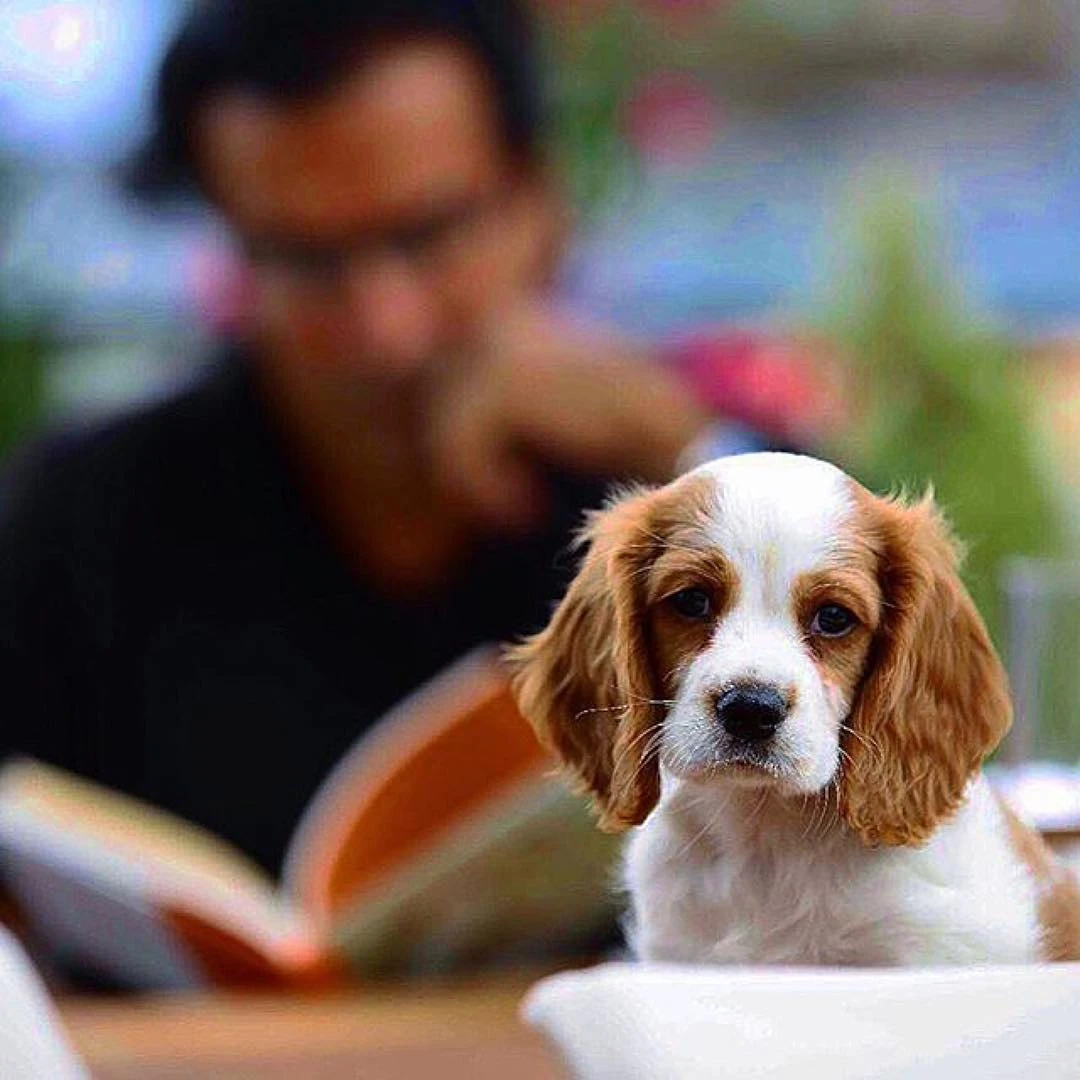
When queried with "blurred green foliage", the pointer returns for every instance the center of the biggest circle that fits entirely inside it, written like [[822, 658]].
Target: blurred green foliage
[[592, 71], [23, 351], [22, 381], [942, 402]]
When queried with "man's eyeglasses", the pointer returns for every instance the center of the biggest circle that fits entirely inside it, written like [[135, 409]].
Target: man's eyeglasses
[[424, 244]]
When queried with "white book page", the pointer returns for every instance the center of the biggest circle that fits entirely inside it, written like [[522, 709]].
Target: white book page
[[32, 1041], [94, 891]]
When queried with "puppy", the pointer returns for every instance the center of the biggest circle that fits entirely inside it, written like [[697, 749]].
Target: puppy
[[780, 678]]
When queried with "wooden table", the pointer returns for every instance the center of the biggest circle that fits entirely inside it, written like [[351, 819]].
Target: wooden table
[[449, 1032]]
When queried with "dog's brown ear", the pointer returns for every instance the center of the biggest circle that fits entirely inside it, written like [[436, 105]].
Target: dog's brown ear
[[934, 700], [584, 682]]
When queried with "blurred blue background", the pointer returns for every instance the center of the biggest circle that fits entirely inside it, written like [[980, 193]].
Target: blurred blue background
[[741, 144]]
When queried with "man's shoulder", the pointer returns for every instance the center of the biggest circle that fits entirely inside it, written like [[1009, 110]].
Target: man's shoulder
[[141, 445], [91, 484], [209, 405]]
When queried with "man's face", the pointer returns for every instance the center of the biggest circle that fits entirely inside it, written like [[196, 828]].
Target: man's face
[[383, 220]]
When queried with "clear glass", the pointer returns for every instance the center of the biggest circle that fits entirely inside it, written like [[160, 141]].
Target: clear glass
[[1042, 652], [1038, 766]]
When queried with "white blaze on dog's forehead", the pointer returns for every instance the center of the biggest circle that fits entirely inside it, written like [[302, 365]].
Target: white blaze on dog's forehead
[[777, 515]]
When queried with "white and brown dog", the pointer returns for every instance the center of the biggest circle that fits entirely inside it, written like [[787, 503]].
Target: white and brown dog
[[780, 678]]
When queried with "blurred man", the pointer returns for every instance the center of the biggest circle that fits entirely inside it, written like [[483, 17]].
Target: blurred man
[[205, 603]]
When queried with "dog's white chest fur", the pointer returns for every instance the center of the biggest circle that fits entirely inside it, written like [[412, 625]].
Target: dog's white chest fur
[[731, 880]]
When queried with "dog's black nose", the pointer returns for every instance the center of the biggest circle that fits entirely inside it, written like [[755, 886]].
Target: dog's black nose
[[751, 713]]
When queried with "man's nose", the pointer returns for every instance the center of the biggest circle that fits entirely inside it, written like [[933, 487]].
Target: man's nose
[[393, 313]]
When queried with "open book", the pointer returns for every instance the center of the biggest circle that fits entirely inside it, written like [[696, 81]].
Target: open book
[[442, 839]]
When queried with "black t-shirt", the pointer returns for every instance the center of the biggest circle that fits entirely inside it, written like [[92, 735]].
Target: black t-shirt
[[175, 623]]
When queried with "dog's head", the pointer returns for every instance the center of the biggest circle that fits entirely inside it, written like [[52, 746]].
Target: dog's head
[[765, 621]]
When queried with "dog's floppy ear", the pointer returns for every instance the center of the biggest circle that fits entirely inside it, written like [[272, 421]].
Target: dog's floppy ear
[[585, 683], [934, 700]]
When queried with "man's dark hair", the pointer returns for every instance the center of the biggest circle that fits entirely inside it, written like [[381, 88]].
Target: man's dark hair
[[288, 50]]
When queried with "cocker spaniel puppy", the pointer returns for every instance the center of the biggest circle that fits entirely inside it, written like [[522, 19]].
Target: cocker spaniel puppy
[[780, 679]]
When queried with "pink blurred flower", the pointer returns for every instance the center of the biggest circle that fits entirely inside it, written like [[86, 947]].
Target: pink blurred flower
[[574, 12], [681, 18], [788, 387], [672, 119], [682, 7]]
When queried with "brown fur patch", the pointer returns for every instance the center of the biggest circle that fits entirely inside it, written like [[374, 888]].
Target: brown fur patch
[[688, 559], [1058, 890], [934, 700], [588, 682], [675, 640], [853, 584]]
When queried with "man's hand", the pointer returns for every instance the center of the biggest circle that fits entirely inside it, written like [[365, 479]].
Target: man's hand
[[545, 392]]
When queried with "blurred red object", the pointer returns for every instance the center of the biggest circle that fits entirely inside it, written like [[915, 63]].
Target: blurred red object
[[682, 9], [787, 387], [575, 13], [672, 119]]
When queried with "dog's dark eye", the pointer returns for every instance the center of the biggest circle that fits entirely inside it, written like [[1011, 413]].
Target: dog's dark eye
[[692, 603], [832, 620]]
